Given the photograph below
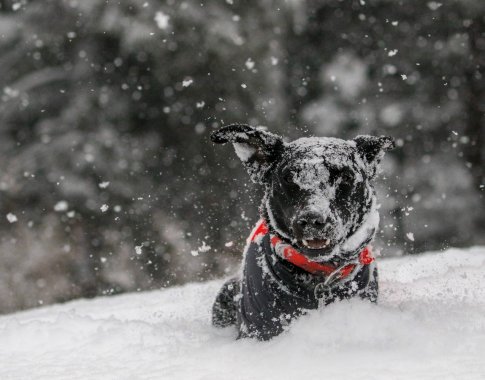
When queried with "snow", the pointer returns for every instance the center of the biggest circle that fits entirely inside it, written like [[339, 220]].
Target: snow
[[429, 324], [187, 82], [202, 249], [348, 72], [61, 206], [392, 114], [12, 218], [362, 234], [162, 20], [249, 64], [433, 5]]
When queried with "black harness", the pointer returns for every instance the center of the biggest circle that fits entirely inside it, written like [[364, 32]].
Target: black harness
[[273, 291]]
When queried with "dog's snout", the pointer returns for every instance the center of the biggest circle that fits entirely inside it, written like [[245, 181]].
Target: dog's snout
[[313, 219]]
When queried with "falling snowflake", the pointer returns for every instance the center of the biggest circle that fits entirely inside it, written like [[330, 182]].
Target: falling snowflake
[[61, 206], [162, 20], [12, 218], [104, 208], [249, 64], [204, 247], [104, 185], [187, 82], [433, 5]]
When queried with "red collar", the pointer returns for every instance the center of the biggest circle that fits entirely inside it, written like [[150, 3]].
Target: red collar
[[289, 253]]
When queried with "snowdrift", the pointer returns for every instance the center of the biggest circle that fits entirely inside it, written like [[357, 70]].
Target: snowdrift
[[429, 324]]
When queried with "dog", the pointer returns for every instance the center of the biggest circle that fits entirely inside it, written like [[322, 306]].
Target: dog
[[318, 216]]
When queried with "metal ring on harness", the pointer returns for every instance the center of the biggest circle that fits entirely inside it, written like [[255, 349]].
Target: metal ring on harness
[[323, 290]]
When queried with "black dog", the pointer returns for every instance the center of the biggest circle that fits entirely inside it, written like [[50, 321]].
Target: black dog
[[310, 248]]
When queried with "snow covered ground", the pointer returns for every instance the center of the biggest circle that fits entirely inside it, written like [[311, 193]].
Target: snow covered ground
[[430, 324]]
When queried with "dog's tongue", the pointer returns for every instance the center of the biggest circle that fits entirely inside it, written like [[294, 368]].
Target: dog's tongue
[[315, 243]]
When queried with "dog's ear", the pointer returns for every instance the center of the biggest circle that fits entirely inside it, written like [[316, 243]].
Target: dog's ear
[[256, 148], [372, 149]]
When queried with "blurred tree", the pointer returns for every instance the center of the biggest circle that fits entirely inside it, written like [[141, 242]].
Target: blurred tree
[[412, 70], [105, 115], [107, 106]]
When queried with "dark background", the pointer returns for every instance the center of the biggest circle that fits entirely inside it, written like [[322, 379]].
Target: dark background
[[127, 92]]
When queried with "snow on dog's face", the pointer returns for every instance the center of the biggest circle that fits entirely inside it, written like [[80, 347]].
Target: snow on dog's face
[[319, 193]]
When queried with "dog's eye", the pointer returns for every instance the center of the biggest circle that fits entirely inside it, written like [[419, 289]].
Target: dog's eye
[[288, 178], [346, 179], [345, 184]]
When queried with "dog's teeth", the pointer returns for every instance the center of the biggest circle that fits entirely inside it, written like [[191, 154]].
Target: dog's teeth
[[305, 243]]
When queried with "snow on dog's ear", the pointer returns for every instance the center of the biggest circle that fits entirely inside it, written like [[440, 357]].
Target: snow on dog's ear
[[372, 149], [257, 148]]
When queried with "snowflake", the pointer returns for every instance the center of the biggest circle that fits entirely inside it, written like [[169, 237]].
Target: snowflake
[[162, 20], [12, 218], [187, 82], [204, 247], [61, 206], [249, 64]]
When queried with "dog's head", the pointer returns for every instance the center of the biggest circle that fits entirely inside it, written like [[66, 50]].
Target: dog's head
[[319, 191]]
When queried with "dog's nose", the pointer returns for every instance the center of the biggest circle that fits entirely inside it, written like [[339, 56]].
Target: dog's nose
[[311, 218]]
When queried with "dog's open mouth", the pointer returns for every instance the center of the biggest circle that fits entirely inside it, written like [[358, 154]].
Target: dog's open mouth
[[315, 243]]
